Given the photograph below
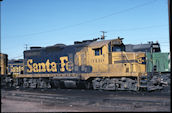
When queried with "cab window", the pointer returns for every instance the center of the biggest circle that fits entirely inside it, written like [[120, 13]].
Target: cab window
[[98, 51]]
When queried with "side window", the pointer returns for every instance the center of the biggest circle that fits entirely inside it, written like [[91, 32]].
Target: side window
[[98, 51]]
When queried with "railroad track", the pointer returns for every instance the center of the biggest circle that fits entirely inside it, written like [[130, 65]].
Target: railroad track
[[104, 100]]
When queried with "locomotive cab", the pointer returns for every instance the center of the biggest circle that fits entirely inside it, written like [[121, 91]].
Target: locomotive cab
[[110, 61], [110, 56], [125, 62]]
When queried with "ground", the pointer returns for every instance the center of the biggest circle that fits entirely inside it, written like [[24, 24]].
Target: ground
[[77, 100]]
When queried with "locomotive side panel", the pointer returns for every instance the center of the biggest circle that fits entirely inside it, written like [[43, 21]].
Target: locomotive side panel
[[67, 60], [98, 59], [127, 63]]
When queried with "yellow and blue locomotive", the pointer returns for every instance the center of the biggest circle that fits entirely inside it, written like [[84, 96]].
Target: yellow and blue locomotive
[[98, 64], [93, 64]]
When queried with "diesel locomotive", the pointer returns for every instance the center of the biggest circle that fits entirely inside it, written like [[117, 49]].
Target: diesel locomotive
[[96, 64], [93, 64], [6, 79], [15, 67]]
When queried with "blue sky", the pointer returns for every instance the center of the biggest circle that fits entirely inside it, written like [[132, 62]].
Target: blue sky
[[48, 22]]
